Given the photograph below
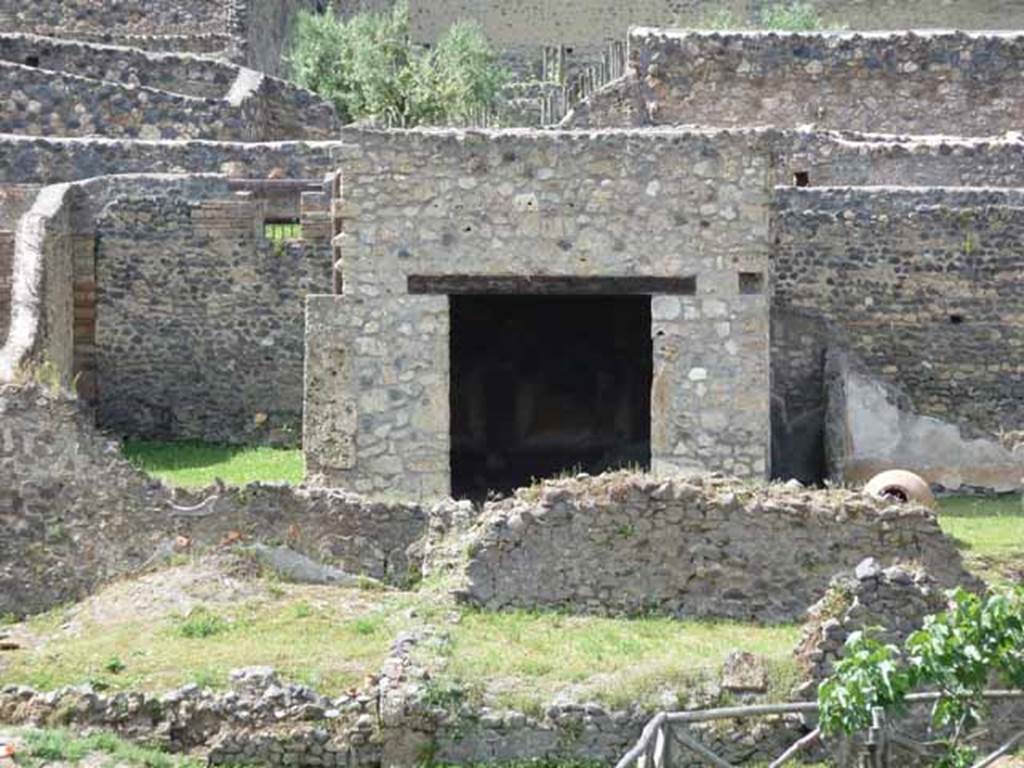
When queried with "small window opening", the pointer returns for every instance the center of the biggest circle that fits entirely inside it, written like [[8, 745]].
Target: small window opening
[[751, 283], [569, 51], [956, 319], [282, 231], [801, 179], [31, 61]]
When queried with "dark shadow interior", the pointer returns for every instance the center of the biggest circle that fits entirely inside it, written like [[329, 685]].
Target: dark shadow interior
[[544, 384]]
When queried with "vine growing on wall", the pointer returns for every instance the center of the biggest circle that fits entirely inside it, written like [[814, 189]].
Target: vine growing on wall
[[977, 643]]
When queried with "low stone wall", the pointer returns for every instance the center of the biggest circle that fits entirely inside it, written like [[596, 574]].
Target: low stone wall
[[624, 544], [43, 102], [65, 18], [75, 514], [391, 721], [256, 108], [916, 82], [176, 73], [50, 160], [892, 600]]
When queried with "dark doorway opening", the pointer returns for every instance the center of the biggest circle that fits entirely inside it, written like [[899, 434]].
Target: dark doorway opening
[[546, 384]]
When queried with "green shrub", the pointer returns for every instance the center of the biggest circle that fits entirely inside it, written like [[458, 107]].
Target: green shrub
[[202, 622], [794, 16], [978, 642], [791, 17], [369, 69]]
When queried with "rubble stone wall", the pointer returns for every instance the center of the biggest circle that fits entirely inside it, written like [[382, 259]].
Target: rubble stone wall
[[700, 547], [75, 514], [593, 22], [44, 102], [898, 82], [67, 18], [50, 160], [178, 73], [922, 284], [199, 317]]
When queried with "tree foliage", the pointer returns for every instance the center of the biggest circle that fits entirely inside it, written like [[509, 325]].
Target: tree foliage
[[793, 16], [370, 69], [977, 643]]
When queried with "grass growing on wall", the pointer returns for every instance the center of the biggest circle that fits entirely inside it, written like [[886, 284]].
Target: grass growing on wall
[[990, 531], [196, 465]]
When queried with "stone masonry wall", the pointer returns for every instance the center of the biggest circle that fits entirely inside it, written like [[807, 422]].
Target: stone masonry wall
[[830, 158], [75, 514], [922, 284], [199, 318], [578, 23], [842, 158], [178, 73], [67, 18], [935, 82], [521, 204], [45, 102], [268, 24], [697, 547], [50, 160], [6, 279]]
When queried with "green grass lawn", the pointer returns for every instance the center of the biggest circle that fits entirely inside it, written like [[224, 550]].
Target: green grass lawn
[[196, 465], [990, 531], [327, 638], [333, 638], [527, 657], [49, 746]]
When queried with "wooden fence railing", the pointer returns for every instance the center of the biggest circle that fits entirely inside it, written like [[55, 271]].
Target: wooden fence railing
[[559, 103], [667, 742]]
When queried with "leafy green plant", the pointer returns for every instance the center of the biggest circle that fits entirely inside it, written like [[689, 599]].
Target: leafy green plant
[[369, 69], [793, 16], [114, 665], [55, 745], [202, 622], [977, 642]]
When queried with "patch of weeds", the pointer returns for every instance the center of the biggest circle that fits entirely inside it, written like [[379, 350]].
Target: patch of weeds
[[791, 17], [367, 584], [56, 745], [275, 590], [783, 678], [202, 622], [368, 625], [114, 665], [207, 678], [301, 610], [444, 694], [9, 618]]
